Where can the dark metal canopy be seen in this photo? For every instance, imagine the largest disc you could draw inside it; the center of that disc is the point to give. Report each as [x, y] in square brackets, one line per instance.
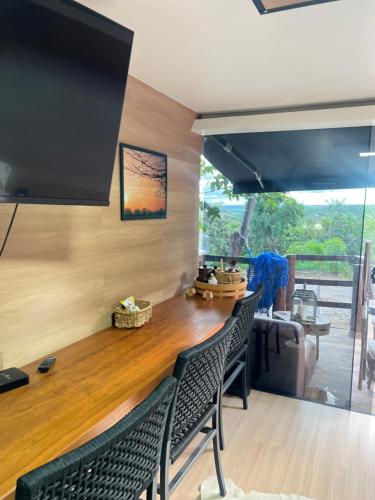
[295, 160]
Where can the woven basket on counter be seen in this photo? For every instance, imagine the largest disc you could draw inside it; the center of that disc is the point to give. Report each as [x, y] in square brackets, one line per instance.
[127, 319]
[227, 277]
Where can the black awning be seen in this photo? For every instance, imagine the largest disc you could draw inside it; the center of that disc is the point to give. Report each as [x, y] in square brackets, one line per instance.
[296, 160]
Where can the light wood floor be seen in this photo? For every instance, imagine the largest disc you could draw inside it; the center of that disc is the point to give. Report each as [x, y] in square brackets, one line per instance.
[281, 445]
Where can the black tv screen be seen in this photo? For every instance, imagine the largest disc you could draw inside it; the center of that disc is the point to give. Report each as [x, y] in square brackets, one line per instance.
[63, 72]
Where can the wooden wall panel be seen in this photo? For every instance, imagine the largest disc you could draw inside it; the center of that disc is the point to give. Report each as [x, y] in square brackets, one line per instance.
[65, 268]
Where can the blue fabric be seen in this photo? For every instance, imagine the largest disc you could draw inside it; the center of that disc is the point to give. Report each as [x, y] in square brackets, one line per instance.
[270, 270]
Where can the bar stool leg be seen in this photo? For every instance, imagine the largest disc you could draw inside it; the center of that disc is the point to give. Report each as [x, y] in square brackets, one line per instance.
[151, 490]
[218, 467]
[164, 472]
[244, 384]
[220, 419]
[219, 470]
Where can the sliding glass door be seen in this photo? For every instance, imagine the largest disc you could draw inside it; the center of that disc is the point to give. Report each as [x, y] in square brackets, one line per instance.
[328, 237]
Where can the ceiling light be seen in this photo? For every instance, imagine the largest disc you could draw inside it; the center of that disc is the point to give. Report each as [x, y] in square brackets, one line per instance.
[366, 155]
[269, 6]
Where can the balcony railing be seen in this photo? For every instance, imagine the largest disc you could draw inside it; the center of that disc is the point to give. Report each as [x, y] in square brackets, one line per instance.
[284, 301]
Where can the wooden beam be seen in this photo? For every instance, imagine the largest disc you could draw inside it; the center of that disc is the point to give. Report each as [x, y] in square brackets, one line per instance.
[329, 258]
[322, 282]
[280, 300]
[337, 305]
[217, 258]
[291, 280]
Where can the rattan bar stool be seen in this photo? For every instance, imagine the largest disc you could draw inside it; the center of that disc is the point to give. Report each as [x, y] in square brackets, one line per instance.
[199, 372]
[237, 358]
[120, 463]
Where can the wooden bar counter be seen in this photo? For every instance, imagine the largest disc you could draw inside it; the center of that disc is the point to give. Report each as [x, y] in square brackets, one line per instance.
[95, 382]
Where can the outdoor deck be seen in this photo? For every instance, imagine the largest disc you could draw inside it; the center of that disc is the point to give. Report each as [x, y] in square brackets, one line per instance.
[333, 370]
[336, 374]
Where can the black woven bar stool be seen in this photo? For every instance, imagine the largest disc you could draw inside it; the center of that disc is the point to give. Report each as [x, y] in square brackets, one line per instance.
[199, 372]
[120, 463]
[237, 358]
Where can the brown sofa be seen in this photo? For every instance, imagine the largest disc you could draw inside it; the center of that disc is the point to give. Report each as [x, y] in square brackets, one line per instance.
[283, 359]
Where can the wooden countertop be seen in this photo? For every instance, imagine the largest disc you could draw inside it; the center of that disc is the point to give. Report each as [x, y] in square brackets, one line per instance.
[96, 381]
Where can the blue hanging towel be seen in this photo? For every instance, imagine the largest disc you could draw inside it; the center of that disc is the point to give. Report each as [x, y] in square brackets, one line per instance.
[270, 270]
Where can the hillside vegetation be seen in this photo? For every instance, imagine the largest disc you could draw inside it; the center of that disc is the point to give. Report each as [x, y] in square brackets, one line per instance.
[282, 224]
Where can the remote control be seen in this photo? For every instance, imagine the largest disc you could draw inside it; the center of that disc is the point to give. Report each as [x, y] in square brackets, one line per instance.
[46, 364]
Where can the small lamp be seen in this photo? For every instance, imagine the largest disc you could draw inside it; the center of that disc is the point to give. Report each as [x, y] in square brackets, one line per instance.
[304, 303]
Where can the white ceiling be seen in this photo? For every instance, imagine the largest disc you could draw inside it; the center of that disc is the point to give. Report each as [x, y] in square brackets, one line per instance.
[221, 55]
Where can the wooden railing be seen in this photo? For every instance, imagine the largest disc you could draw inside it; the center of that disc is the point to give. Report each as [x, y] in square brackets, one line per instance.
[353, 260]
[284, 299]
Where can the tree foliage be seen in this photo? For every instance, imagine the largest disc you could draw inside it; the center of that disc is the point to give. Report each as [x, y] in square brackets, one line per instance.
[281, 224]
[150, 166]
[333, 246]
[343, 224]
[217, 181]
[276, 216]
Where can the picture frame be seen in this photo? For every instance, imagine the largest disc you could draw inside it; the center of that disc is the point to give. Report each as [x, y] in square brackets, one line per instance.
[143, 183]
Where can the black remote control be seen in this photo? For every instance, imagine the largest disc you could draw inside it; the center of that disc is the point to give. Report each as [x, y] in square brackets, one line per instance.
[46, 364]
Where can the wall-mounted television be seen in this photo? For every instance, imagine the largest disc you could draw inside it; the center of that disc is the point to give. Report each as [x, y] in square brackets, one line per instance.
[63, 72]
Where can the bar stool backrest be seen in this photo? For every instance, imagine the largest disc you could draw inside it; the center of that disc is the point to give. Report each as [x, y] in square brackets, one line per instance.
[244, 311]
[118, 464]
[199, 372]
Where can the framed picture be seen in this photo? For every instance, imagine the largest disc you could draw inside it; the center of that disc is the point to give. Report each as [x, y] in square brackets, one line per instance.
[143, 183]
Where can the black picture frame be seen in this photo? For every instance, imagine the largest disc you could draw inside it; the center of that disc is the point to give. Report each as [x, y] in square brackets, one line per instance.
[262, 9]
[158, 177]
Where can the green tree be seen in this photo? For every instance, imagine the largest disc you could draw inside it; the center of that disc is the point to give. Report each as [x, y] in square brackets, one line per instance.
[344, 224]
[276, 217]
[278, 222]
[369, 227]
[219, 233]
[267, 220]
[219, 183]
[333, 246]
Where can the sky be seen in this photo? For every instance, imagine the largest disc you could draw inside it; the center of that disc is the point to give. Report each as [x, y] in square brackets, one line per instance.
[350, 196]
[140, 191]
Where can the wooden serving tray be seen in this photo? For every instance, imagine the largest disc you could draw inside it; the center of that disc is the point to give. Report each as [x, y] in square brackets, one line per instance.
[222, 290]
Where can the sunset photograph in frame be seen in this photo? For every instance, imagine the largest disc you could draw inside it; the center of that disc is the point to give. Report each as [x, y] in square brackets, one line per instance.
[143, 183]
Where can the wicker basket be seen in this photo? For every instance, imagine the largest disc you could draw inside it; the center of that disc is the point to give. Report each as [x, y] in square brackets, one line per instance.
[224, 277]
[222, 289]
[126, 319]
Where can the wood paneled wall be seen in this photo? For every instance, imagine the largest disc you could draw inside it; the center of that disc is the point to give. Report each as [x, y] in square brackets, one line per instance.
[65, 268]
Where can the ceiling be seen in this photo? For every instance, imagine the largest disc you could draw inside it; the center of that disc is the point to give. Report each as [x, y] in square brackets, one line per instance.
[222, 55]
